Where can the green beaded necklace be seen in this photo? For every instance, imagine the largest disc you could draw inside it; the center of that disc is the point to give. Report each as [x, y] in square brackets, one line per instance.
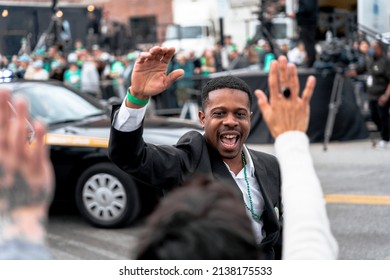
[255, 216]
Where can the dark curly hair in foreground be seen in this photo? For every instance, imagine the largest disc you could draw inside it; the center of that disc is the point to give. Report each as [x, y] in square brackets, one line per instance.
[225, 82]
[202, 220]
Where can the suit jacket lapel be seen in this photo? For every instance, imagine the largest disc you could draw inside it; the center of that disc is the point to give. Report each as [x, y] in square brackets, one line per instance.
[270, 220]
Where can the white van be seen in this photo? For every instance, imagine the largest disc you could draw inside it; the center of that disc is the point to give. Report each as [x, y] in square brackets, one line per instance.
[190, 37]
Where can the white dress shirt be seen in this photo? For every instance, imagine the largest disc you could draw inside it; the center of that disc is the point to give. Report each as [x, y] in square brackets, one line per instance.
[128, 119]
[257, 198]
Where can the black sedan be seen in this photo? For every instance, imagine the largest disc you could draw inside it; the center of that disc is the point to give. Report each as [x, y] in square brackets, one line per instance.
[77, 133]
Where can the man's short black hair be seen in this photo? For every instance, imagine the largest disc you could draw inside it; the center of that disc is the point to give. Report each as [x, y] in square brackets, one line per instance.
[204, 219]
[225, 82]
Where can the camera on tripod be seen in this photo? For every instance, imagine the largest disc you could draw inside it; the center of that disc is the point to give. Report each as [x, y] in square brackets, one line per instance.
[58, 32]
[336, 56]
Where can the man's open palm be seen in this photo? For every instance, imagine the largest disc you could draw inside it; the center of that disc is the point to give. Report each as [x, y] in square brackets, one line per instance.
[150, 76]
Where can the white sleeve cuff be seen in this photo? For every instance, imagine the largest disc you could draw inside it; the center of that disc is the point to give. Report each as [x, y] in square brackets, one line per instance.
[291, 139]
[128, 119]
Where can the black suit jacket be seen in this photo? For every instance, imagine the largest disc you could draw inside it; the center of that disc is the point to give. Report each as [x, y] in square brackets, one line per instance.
[167, 167]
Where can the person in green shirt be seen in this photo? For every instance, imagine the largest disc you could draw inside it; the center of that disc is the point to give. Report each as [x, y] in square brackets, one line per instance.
[72, 76]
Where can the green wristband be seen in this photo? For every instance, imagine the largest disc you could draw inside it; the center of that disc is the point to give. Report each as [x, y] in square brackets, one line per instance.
[135, 100]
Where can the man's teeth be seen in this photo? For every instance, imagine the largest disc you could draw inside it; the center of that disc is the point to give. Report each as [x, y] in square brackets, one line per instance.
[229, 136]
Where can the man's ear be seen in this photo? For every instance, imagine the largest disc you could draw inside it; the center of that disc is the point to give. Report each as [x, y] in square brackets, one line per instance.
[201, 117]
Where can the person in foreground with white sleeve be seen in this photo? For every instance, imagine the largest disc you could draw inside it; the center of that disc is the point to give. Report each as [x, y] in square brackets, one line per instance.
[307, 233]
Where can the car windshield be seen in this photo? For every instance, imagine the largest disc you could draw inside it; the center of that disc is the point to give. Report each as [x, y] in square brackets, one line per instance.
[54, 104]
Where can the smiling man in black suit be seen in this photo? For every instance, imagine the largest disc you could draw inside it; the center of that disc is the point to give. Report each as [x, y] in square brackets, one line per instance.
[220, 152]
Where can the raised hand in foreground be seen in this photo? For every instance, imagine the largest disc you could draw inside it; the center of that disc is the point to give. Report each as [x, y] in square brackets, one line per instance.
[26, 184]
[285, 113]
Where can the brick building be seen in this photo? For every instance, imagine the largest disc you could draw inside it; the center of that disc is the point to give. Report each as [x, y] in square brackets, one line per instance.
[142, 22]
[147, 18]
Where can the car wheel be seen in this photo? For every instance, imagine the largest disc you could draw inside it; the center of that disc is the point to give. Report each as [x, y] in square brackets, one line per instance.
[106, 196]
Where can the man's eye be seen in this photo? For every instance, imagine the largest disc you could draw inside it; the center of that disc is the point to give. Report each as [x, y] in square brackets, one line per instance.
[241, 115]
[218, 114]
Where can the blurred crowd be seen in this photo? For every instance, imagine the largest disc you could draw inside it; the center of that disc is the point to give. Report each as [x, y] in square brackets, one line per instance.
[104, 74]
[83, 69]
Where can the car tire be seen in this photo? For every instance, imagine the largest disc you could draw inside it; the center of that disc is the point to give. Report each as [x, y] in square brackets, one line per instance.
[106, 196]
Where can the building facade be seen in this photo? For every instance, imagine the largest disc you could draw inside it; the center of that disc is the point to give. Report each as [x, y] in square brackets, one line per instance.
[133, 23]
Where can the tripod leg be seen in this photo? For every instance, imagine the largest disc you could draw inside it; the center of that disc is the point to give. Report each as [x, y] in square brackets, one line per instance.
[334, 104]
[194, 111]
[184, 111]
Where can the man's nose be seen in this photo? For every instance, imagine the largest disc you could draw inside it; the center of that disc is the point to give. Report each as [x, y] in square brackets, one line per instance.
[230, 120]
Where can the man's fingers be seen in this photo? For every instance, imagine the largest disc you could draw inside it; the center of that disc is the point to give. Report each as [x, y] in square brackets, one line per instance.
[309, 89]
[168, 55]
[20, 137]
[4, 117]
[293, 81]
[283, 74]
[157, 53]
[262, 101]
[39, 154]
[174, 76]
[144, 56]
[161, 54]
[3, 107]
[273, 81]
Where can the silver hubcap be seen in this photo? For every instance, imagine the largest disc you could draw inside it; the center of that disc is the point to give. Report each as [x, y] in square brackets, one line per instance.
[104, 197]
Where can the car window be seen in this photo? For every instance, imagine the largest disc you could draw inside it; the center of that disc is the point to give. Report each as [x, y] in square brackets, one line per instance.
[54, 104]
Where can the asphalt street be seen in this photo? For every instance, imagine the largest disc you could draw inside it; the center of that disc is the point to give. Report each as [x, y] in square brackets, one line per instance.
[356, 183]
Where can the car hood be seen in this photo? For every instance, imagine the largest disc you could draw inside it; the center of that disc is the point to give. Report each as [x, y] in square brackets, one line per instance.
[92, 132]
[95, 127]
[95, 132]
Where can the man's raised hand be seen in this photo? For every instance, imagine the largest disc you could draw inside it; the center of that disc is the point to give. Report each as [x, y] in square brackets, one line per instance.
[150, 76]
